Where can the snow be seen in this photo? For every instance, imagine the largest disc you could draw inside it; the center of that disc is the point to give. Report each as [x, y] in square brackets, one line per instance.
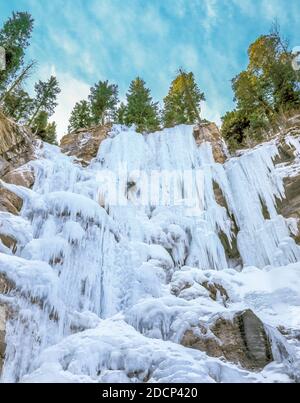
[114, 346]
[107, 280]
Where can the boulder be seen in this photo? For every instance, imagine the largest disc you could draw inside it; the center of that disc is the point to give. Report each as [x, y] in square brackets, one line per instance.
[9, 242]
[84, 143]
[23, 176]
[10, 202]
[242, 340]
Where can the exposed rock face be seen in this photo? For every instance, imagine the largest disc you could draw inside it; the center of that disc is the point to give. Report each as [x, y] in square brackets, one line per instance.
[210, 132]
[16, 149]
[84, 143]
[290, 207]
[16, 145]
[243, 340]
[10, 202]
[23, 176]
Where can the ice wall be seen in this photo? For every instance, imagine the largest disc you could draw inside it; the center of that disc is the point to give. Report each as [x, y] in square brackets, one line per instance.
[95, 242]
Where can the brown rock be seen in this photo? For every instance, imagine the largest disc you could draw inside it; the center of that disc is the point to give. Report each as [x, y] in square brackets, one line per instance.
[290, 206]
[23, 176]
[243, 341]
[214, 289]
[84, 143]
[4, 167]
[16, 144]
[9, 242]
[10, 202]
[210, 132]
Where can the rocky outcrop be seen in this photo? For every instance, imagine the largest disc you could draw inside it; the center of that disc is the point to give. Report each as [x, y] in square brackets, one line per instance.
[16, 149]
[290, 206]
[16, 145]
[242, 340]
[84, 143]
[210, 132]
[9, 201]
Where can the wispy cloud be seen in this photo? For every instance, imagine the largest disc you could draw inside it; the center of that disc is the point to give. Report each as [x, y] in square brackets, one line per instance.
[89, 40]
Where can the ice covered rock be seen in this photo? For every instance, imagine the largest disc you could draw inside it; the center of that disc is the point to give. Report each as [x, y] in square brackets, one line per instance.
[116, 348]
[84, 143]
[210, 132]
[242, 339]
[2, 335]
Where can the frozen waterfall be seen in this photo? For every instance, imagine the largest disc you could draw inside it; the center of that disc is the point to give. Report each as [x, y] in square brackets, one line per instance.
[101, 248]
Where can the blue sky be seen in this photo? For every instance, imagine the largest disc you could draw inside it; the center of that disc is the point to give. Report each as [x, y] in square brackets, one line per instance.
[83, 41]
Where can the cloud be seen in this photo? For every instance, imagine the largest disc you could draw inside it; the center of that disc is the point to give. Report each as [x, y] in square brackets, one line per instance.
[88, 41]
[72, 91]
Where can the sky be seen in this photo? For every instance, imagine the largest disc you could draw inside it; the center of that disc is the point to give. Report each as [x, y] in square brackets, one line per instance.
[84, 41]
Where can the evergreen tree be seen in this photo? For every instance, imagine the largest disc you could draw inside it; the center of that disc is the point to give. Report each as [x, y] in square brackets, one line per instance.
[141, 110]
[46, 95]
[18, 105]
[182, 104]
[14, 38]
[268, 87]
[80, 116]
[120, 114]
[103, 99]
[43, 129]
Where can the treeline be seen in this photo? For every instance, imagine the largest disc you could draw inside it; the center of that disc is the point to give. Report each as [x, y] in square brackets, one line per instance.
[15, 101]
[267, 90]
[181, 105]
[265, 93]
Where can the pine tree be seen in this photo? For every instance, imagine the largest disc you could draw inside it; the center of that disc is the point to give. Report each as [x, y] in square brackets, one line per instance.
[80, 116]
[43, 129]
[120, 114]
[18, 105]
[46, 95]
[103, 99]
[266, 89]
[182, 104]
[14, 38]
[141, 110]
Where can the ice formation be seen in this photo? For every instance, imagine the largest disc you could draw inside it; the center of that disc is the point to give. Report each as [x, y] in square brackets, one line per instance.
[104, 256]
